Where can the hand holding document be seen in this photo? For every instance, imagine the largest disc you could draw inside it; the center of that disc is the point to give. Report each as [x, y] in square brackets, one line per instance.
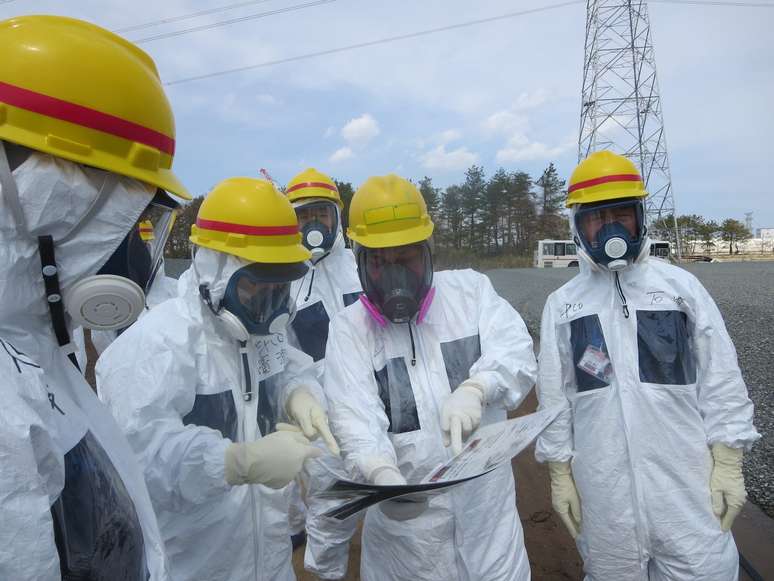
[487, 448]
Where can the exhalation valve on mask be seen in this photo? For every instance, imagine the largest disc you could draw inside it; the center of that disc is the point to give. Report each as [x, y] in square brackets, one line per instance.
[400, 305]
[317, 238]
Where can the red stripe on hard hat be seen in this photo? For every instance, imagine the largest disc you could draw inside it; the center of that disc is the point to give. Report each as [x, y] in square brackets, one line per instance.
[249, 230]
[85, 117]
[312, 185]
[604, 180]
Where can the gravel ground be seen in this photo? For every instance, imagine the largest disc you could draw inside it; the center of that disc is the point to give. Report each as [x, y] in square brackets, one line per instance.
[744, 292]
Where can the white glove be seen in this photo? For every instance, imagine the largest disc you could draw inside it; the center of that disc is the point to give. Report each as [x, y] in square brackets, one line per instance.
[564, 496]
[304, 409]
[405, 507]
[461, 413]
[727, 484]
[274, 460]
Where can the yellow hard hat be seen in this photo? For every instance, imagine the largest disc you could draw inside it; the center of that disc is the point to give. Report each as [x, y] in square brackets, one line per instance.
[388, 211]
[311, 183]
[249, 218]
[604, 175]
[77, 91]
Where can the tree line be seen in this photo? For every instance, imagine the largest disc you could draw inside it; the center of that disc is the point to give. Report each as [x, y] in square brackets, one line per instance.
[699, 235]
[505, 214]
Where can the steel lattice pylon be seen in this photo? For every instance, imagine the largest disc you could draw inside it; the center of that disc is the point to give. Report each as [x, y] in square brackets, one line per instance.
[621, 106]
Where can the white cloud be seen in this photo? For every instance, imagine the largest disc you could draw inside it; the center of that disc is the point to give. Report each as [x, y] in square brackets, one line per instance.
[514, 124]
[505, 121]
[341, 154]
[329, 132]
[520, 148]
[440, 159]
[360, 130]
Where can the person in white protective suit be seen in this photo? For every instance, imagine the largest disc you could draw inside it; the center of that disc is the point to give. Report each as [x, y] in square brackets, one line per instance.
[84, 157]
[201, 384]
[646, 460]
[411, 369]
[330, 285]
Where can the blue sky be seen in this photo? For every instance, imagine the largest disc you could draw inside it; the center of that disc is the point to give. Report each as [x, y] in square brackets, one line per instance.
[505, 93]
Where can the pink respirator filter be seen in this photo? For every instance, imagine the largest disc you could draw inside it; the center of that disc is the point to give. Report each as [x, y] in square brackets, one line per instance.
[382, 322]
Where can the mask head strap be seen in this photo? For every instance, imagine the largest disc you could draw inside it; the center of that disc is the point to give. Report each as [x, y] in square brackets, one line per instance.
[54, 296]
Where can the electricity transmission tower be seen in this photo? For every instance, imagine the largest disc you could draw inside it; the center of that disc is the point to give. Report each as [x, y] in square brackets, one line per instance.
[621, 107]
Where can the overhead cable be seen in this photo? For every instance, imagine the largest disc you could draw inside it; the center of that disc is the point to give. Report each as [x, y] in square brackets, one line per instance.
[231, 21]
[375, 42]
[715, 3]
[189, 16]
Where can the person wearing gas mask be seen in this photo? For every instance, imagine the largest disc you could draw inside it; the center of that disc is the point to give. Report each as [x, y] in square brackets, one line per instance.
[412, 369]
[81, 164]
[160, 286]
[646, 460]
[163, 287]
[202, 383]
[330, 285]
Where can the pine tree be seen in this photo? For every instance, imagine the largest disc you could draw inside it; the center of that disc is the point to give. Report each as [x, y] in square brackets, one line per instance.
[551, 196]
[472, 195]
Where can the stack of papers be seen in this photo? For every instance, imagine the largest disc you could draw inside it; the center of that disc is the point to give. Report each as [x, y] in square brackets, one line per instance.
[487, 449]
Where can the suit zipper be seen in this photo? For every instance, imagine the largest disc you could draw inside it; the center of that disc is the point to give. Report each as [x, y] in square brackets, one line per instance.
[243, 359]
[621, 295]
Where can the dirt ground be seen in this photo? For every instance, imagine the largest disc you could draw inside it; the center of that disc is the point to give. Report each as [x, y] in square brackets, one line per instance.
[551, 550]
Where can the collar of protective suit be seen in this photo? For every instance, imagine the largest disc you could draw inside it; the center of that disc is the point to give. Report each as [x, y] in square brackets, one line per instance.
[337, 270]
[55, 196]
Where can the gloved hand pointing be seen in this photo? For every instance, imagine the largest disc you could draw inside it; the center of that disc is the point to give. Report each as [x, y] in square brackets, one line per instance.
[461, 413]
[564, 496]
[274, 460]
[727, 484]
[304, 409]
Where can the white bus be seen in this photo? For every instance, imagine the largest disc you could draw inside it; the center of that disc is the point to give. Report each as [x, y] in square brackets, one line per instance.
[556, 254]
[661, 249]
[563, 253]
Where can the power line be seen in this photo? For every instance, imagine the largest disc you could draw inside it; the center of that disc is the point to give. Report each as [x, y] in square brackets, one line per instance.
[715, 3]
[182, 17]
[375, 42]
[231, 21]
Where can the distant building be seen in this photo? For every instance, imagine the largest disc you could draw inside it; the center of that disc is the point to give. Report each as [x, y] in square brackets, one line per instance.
[766, 233]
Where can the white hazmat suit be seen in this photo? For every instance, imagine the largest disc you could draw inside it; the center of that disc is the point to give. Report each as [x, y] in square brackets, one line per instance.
[73, 503]
[175, 382]
[385, 408]
[642, 361]
[330, 285]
